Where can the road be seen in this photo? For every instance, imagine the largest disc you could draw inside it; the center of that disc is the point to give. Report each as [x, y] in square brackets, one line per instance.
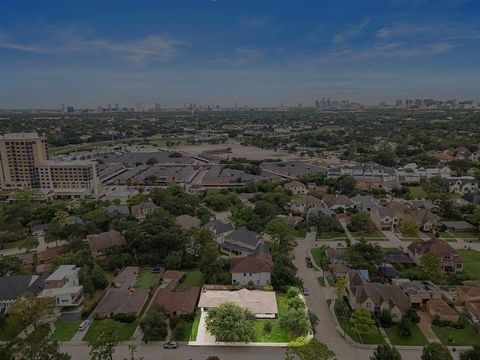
[326, 328]
[155, 352]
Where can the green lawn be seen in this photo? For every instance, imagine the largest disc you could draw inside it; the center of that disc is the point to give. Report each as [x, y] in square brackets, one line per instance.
[342, 312]
[9, 330]
[12, 244]
[331, 235]
[417, 192]
[182, 331]
[146, 279]
[442, 234]
[467, 234]
[125, 332]
[461, 337]
[196, 322]
[278, 334]
[64, 330]
[416, 339]
[192, 278]
[318, 255]
[471, 259]
[369, 235]
[91, 300]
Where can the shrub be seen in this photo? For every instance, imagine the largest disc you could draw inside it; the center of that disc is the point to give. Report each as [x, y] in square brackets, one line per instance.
[188, 317]
[174, 321]
[385, 319]
[127, 318]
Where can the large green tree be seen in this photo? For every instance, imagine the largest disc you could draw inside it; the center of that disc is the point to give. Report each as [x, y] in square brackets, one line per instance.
[231, 323]
[103, 345]
[280, 233]
[154, 326]
[432, 267]
[362, 321]
[436, 351]
[385, 352]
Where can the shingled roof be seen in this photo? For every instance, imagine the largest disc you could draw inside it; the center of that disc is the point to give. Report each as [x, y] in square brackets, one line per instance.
[106, 240]
[254, 263]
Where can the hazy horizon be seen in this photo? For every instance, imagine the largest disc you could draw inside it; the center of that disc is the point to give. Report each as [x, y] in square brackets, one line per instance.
[223, 51]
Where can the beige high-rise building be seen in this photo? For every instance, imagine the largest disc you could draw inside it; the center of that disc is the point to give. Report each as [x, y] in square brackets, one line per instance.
[20, 155]
[24, 164]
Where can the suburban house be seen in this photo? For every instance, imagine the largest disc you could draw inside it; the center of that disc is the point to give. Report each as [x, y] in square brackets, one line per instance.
[459, 226]
[335, 255]
[296, 187]
[141, 211]
[43, 261]
[339, 202]
[11, 287]
[468, 295]
[303, 203]
[255, 269]
[242, 242]
[98, 243]
[63, 285]
[263, 304]
[376, 297]
[364, 202]
[187, 222]
[176, 302]
[449, 258]
[463, 185]
[123, 297]
[425, 220]
[386, 218]
[438, 308]
[418, 292]
[220, 228]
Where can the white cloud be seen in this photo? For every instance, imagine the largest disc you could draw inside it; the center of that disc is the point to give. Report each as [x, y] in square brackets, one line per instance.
[351, 32]
[255, 21]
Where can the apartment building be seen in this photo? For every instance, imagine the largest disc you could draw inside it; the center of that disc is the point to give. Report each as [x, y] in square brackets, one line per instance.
[24, 164]
[20, 155]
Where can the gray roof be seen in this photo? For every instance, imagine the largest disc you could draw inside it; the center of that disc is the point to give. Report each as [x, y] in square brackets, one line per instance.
[245, 236]
[219, 226]
[13, 286]
[118, 209]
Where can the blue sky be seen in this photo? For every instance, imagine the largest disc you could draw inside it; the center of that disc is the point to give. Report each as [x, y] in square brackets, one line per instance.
[255, 52]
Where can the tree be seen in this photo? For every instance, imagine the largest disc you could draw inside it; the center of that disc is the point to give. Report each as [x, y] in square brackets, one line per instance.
[405, 327]
[30, 242]
[313, 321]
[472, 354]
[280, 233]
[362, 321]
[436, 351]
[340, 286]
[385, 352]
[231, 323]
[432, 267]
[132, 348]
[284, 273]
[36, 346]
[152, 161]
[267, 328]
[296, 322]
[305, 349]
[103, 345]
[385, 318]
[9, 265]
[30, 310]
[363, 255]
[361, 222]
[154, 326]
[174, 260]
[98, 278]
[407, 225]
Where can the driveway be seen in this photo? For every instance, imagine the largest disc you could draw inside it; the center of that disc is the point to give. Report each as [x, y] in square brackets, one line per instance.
[203, 336]
[425, 326]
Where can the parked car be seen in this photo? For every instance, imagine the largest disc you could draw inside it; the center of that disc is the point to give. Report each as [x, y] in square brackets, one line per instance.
[305, 291]
[309, 264]
[170, 345]
[83, 325]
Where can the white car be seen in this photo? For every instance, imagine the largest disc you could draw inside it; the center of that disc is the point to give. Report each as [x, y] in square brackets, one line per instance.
[83, 325]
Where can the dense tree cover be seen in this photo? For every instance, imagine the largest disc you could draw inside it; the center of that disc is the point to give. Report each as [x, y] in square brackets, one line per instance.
[364, 255]
[322, 223]
[154, 326]
[385, 352]
[362, 321]
[361, 222]
[296, 320]
[472, 354]
[231, 323]
[103, 346]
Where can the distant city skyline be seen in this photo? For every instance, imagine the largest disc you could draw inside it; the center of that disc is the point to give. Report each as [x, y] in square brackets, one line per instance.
[225, 52]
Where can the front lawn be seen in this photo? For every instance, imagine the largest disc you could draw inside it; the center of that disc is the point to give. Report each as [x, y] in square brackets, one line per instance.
[375, 234]
[417, 192]
[146, 279]
[278, 334]
[13, 244]
[460, 337]
[343, 313]
[9, 330]
[471, 259]
[187, 330]
[192, 278]
[333, 235]
[125, 331]
[196, 322]
[416, 339]
[318, 255]
[474, 235]
[64, 330]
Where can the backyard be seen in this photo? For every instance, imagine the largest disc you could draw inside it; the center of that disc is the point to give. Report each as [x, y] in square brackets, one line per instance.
[278, 334]
[8, 330]
[192, 278]
[471, 259]
[64, 330]
[417, 192]
[146, 279]
[416, 339]
[459, 337]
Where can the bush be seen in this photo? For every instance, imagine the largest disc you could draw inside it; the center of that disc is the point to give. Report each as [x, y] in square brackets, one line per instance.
[385, 319]
[268, 327]
[127, 318]
[174, 321]
[413, 316]
[405, 327]
[446, 323]
[188, 317]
